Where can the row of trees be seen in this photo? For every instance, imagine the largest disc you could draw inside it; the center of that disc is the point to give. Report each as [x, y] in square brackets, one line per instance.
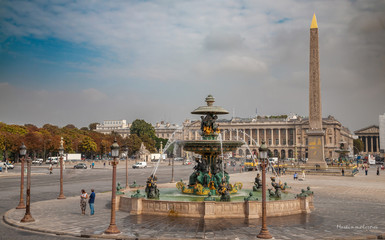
[45, 141]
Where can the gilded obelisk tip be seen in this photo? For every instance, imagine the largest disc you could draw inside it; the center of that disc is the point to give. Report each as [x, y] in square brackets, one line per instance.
[314, 22]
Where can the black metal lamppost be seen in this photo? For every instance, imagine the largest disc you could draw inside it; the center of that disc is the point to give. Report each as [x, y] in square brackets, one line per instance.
[113, 229]
[264, 233]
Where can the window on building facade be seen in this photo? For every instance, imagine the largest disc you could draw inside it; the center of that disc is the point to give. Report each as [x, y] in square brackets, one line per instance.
[284, 141]
[306, 141]
[277, 141]
[269, 141]
[330, 140]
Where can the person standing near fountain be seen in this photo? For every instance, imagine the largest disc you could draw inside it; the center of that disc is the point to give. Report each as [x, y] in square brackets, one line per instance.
[91, 201]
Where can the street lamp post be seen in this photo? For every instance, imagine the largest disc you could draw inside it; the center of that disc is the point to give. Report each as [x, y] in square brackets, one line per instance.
[113, 229]
[264, 233]
[125, 153]
[23, 151]
[61, 152]
[28, 217]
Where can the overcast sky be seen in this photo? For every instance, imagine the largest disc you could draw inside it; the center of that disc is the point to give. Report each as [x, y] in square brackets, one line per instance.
[79, 62]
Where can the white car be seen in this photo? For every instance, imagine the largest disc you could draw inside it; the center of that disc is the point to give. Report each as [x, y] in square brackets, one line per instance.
[139, 165]
[37, 161]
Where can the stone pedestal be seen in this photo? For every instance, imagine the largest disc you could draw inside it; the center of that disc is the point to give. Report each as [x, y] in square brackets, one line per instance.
[316, 149]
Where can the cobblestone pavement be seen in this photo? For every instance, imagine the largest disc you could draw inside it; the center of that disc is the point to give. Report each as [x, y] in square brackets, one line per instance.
[345, 207]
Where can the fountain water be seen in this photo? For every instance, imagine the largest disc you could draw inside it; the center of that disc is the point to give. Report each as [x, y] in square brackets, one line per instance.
[209, 174]
[207, 178]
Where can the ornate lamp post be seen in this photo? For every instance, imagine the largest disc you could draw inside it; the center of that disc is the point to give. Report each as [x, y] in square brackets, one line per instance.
[23, 151]
[125, 153]
[61, 152]
[28, 217]
[113, 229]
[264, 233]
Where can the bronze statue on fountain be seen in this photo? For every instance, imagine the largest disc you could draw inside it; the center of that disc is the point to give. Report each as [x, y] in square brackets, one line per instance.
[152, 191]
[208, 171]
[257, 183]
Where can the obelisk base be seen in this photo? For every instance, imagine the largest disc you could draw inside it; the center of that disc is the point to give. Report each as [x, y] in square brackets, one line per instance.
[316, 158]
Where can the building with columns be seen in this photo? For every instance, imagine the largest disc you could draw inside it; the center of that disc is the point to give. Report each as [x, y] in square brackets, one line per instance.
[119, 126]
[285, 137]
[370, 136]
[166, 130]
[381, 120]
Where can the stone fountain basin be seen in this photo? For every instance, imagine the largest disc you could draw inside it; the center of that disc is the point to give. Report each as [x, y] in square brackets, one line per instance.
[211, 146]
[215, 210]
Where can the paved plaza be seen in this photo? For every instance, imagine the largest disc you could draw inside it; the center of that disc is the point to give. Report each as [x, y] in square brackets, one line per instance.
[345, 208]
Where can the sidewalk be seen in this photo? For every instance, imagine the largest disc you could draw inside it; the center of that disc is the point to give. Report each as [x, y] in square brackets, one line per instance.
[63, 217]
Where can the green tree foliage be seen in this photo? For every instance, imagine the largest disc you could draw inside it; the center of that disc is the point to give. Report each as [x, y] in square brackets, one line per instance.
[92, 126]
[88, 146]
[141, 128]
[133, 142]
[358, 146]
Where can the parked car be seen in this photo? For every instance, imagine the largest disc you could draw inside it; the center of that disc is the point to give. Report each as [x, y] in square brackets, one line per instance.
[37, 161]
[10, 166]
[139, 165]
[80, 165]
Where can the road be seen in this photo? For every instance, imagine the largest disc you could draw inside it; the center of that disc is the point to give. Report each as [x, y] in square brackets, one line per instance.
[46, 187]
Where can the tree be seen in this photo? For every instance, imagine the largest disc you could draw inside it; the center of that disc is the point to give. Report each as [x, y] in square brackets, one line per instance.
[133, 142]
[92, 126]
[358, 146]
[84, 128]
[142, 128]
[70, 126]
[88, 146]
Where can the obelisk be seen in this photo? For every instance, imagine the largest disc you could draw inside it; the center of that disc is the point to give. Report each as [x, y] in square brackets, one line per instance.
[315, 132]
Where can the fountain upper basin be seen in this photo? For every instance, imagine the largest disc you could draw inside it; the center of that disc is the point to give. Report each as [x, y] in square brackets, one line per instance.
[211, 146]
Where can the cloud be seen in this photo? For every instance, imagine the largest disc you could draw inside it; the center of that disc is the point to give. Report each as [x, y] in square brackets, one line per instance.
[173, 53]
[222, 41]
[93, 95]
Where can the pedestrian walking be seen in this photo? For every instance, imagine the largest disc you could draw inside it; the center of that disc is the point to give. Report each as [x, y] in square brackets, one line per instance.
[50, 168]
[93, 164]
[303, 174]
[91, 201]
[104, 164]
[343, 172]
[83, 201]
[366, 171]
[295, 176]
[378, 171]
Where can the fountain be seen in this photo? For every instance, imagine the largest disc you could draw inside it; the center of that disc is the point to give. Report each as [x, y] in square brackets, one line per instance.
[209, 193]
[209, 175]
[342, 152]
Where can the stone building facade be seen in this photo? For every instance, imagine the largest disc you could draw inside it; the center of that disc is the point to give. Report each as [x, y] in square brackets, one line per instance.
[121, 127]
[166, 130]
[285, 138]
[370, 136]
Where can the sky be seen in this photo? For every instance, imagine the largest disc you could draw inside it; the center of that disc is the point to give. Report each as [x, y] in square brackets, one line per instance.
[78, 62]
